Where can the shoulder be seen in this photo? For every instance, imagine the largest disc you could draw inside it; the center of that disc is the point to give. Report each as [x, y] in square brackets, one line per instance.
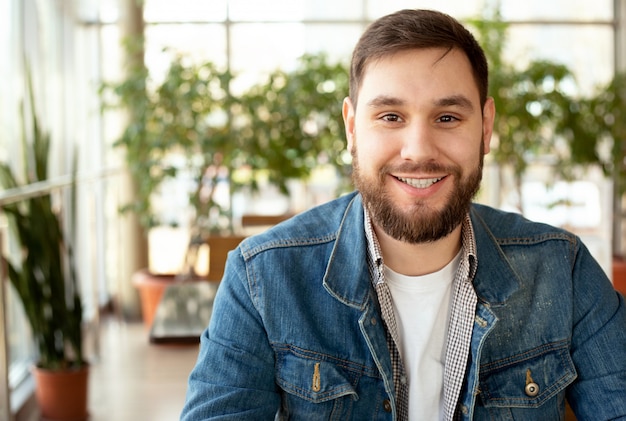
[318, 225]
[508, 226]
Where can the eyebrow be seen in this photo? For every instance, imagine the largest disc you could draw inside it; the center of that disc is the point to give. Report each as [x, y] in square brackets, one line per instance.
[384, 100]
[454, 100]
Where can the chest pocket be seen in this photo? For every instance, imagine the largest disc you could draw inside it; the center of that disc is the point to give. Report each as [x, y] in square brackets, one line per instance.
[315, 387]
[529, 379]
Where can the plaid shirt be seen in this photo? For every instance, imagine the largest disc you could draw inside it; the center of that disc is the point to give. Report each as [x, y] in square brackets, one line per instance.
[462, 314]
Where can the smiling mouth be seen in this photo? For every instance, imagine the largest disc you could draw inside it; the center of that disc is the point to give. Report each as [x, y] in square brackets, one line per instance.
[420, 183]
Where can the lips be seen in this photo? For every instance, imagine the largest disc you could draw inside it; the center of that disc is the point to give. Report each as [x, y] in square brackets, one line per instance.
[420, 183]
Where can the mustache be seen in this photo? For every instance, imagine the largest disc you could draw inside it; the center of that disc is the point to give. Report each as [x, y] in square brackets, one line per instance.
[423, 168]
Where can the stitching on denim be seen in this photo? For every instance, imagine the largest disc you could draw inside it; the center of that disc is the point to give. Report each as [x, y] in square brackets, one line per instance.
[555, 347]
[306, 394]
[542, 397]
[248, 253]
[537, 239]
[524, 356]
[341, 390]
[319, 356]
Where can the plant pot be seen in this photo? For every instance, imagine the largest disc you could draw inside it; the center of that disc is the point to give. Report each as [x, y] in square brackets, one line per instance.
[62, 394]
[151, 288]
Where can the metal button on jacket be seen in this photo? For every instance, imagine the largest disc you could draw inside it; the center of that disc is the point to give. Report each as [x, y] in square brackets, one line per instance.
[532, 389]
[387, 405]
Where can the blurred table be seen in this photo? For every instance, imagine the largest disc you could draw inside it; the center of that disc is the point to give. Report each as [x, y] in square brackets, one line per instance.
[183, 313]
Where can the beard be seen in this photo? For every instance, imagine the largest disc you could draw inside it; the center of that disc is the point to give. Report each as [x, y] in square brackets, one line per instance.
[420, 223]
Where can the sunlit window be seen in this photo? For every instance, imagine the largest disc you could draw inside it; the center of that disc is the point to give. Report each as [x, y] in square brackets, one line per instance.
[75, 45]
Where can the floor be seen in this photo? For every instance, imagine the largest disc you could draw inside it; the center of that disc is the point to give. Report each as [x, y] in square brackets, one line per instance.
[135, 380]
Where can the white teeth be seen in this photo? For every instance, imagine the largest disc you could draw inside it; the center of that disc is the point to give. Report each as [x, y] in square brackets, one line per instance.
[420, 183]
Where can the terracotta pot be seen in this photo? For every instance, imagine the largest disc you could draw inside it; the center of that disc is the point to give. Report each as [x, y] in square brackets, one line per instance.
[151, 288]
[62, 394]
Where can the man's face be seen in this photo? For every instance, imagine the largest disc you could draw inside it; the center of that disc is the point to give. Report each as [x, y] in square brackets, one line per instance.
[417, 136]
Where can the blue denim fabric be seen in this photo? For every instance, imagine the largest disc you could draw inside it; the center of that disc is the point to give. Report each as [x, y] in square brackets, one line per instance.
[296, 331]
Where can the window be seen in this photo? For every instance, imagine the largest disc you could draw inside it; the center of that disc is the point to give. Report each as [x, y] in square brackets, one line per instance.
[73, 46]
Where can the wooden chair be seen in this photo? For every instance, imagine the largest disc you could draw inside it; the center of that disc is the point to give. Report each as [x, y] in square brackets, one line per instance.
[219, 246]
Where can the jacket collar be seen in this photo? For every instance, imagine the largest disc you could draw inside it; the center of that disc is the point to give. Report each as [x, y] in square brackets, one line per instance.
[495, 280]
[347, 276]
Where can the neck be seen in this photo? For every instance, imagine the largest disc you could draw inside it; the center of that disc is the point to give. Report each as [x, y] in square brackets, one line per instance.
[418, 259]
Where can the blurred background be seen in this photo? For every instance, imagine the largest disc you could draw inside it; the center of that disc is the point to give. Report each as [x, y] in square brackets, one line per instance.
[175, 122]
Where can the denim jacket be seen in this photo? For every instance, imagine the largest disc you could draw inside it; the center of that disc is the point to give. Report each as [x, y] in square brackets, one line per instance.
[296, 331]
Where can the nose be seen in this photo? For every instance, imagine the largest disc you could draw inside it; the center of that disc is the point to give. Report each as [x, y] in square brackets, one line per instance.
[419, 143]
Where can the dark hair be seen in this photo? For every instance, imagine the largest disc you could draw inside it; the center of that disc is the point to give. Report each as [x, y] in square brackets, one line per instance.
[416, 29]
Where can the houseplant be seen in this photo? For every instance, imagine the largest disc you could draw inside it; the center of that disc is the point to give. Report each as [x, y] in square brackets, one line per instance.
[538, 119]
[601, 141]
[532, 107]
[190, 126]
[44, 278]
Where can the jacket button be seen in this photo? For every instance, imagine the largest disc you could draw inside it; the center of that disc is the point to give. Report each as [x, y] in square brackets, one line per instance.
[387, 405]
[532, 389]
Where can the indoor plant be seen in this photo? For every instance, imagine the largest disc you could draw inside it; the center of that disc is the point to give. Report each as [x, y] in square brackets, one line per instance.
[532, 108]
[45, 280]
[189, 126]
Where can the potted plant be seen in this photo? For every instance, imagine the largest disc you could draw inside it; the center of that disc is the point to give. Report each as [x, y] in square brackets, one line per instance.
[532, 107]
[45, 280]
[189, 126]
[537, 118]
[600, 123]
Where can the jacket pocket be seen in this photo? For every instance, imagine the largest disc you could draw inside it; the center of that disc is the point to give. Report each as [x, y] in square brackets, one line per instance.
[315, 386]
[528, 379]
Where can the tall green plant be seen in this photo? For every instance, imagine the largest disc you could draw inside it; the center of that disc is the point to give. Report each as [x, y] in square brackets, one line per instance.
[600, 138]
[44, 278]
[532, 103]
[282, 128]
[293, 121]
[184, 115]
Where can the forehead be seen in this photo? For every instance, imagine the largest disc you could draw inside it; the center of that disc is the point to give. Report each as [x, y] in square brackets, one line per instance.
[418, 74]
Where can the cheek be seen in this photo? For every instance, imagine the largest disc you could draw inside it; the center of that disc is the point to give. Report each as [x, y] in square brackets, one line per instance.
[369, 154]
[374, 146]
[469, 157]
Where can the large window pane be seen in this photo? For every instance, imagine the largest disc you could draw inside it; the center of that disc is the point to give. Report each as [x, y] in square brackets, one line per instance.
[261, 48]
[266, 10]
[457, 8]
[557, 10]
[336, 40]
[587, 50]
[185, 10]
[334, 10]
[204, 42]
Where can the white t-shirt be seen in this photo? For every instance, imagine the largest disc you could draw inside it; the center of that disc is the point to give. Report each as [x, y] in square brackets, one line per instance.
[421, 307]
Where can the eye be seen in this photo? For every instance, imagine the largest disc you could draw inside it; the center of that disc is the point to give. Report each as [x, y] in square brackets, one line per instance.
[447, 119]
[391, 117]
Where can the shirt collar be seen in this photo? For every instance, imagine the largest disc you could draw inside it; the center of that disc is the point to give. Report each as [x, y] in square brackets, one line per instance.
[375, 256]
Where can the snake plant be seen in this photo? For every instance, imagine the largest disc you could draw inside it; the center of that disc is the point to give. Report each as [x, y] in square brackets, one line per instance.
[43, 275]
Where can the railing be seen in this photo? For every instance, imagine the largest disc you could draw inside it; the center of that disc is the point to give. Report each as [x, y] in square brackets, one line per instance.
[14, 196]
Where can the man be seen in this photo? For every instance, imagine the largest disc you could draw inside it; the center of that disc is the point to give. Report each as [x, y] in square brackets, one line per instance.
[404, 300]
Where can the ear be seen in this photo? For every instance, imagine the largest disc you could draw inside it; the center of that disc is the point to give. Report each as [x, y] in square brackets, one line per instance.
[489, 115]
[348, 121]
